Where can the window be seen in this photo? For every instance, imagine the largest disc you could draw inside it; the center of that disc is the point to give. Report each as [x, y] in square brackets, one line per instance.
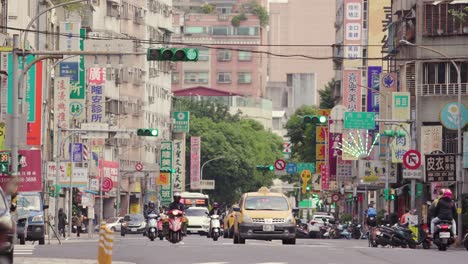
[203, 54]
[224, 77]
[247, 31]
[245, 77]
[365, 12]
[438, 20]
[266, 203]
[245, 55]
[195, 77]
[196, 212]
[175, 77]
[224, 10]
[224, 55]
[194, 30]
[289, 79]
[220, 31]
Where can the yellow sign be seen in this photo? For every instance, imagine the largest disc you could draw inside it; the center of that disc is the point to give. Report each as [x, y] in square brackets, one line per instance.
[163, 178]
[134, 208]
[5, 49]
[319, 153]
[321, 134]
[2, 135]
[305, 176]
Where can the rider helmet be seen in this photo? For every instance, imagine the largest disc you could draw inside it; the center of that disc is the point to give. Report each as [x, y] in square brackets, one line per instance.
[447, 194]
[215, 205]
[177, 197]
[151, 205]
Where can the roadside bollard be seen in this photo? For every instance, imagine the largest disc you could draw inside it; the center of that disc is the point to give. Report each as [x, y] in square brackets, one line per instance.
[106, 241]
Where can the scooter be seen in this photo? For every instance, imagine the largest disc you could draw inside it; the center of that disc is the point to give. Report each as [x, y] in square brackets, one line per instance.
[465, 241]
[215, 227]
[152, 232]
[443, 236]
[160, 226]
[175, 226]
[403, 236]
[422, 238]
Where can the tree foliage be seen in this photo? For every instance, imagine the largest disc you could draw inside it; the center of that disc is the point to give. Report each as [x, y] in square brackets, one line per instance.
[80, 8]
[327, 99]
[302, 135]
[244, 143]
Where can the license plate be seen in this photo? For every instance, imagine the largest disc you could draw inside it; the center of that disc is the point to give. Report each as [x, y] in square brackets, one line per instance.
[133, 229]
[444, 235]
[268, 228]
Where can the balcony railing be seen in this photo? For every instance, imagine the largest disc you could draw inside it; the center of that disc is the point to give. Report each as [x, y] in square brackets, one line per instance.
[441, 89]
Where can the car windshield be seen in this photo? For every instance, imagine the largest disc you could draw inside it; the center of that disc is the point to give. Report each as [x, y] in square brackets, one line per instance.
[28, 203]
[266, 203]
[112, 220]
[322, 218]
[134, 218]
[195, 212]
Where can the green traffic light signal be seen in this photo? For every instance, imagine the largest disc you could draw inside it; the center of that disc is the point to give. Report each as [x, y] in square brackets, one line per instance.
[4, 167]
[386, 194]
[167, 170]
[271, 167]
[147, 132]
[394, 133]
[172, 54]
[308, 188]
[314, 119]
[265, 167]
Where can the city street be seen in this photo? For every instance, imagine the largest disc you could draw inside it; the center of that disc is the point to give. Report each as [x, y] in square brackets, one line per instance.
[198, 249]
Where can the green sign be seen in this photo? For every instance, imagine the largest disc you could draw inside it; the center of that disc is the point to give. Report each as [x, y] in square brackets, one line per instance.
[359, 120]
[401, 101]
[165, 191]
[181, 121]
[77, 90]
[29, 86]
[306, 166]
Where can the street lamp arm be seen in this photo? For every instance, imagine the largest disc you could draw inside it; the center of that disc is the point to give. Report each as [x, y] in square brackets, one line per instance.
[31, 22]
[217, 158]
[62, 144]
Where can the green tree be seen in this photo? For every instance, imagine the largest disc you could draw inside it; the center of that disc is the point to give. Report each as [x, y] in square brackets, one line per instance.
[302, 135]
[327, 98]
[244, 143]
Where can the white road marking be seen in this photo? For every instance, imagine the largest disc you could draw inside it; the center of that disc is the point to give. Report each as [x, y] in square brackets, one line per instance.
[212, 263]
[24, 249]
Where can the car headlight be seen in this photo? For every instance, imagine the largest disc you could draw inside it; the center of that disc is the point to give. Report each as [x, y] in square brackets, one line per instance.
[38, 218]
[289, 220]
[246, 219]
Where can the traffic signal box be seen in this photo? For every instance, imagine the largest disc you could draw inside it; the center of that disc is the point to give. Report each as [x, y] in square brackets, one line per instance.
[147, 132]
[167, 170]
[314, 119]
[172, 54]
[265, 167]
[394, 133]
[389, 194]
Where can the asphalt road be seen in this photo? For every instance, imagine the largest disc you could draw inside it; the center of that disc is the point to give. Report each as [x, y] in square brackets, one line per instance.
[200, 250]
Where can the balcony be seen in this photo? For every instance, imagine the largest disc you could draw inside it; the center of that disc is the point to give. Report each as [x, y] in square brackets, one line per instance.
[441, 89]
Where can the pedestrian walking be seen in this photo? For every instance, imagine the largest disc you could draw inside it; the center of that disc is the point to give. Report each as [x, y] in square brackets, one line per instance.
[78, 220]
[62, 222]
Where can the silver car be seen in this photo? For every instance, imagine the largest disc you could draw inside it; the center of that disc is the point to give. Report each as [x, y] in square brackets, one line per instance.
[318, 221]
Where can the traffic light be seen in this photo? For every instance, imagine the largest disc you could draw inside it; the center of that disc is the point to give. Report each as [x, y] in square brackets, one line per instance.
[4, 168]
[5, 162]
[392, 194]
[314, 119]
[54, 190]
[172, 54]
[265, 167]
[386, 194]
[147, 132]
[167, 170]
[394, 133]
[308, 188]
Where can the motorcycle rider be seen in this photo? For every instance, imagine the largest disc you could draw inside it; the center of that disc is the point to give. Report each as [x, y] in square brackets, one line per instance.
[214, 209]
[176, 205]
[150, 209]
[371, 220]
[445, 210]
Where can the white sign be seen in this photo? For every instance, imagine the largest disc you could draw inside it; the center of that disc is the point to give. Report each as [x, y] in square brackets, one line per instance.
[412, 174]
[79, 179]
[178, 163]
[94, 185]
[68, 40]
[207, 184]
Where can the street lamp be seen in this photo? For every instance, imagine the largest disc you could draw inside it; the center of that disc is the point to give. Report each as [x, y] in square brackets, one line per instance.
[201, 170]
[460, 177]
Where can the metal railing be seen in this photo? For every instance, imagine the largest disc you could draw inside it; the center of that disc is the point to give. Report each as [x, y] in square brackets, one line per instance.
[441, 89]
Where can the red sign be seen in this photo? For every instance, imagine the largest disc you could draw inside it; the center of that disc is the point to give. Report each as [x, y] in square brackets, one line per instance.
[138, 166]
[280, 164]
[107, 184]
[335, 197]
[412, 159]
[30, 175]
[34, 128]
[109, 169]
[96, 75]
[325, 177]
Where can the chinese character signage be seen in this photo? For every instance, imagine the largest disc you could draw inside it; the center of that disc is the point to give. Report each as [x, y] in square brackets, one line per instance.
[181, 122]
[401, 111]
[79, 179]
[344, 168]
[30, 175]
[76, 152]
[465, 150]
[69, 69]
[4, 64]
[440, 168]
[333, 153]
[353, 32]
[352, 90]
[375, 171]
[325, 177]
[109, 169]
[96, 109]
[431, 139]
[62, 87]
[165, 190]
[179, 165]
[195, 146]
[373, 98]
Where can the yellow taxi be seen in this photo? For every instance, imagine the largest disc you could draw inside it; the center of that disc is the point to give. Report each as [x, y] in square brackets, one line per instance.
[264, 215]
[229, 222]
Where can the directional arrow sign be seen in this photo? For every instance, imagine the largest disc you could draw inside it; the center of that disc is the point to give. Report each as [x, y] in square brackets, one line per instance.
[280, 164]
[412, 159]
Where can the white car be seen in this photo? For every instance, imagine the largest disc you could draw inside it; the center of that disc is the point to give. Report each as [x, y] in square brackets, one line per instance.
[198, 220]
[114, 223]
[317, 221]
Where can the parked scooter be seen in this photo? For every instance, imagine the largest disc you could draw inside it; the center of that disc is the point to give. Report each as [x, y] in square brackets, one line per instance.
[443, 236]
[152, 231]
[175, 226]
[465, 241]
[422, 238]
[403, 236]
[215, 227]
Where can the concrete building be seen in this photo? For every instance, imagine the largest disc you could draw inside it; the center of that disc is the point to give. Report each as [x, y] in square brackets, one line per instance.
[289, 35]
[430, 78]
[237, 68]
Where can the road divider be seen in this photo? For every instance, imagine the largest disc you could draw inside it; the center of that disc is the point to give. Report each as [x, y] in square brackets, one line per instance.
[106, 242]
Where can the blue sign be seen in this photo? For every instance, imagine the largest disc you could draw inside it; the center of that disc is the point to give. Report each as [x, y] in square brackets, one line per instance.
[291, 168]
[77, 152]
[373, 81]
[449, 116]
[69, 69]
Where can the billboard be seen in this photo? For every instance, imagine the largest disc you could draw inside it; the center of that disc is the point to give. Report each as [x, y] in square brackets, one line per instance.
[353, 33]
[30, 174]
[195, 147]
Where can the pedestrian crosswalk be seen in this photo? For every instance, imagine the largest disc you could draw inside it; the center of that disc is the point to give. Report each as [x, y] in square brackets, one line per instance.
[24, 250]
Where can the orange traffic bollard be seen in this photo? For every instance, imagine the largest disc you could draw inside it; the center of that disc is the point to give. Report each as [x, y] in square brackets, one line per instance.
[106, 241]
